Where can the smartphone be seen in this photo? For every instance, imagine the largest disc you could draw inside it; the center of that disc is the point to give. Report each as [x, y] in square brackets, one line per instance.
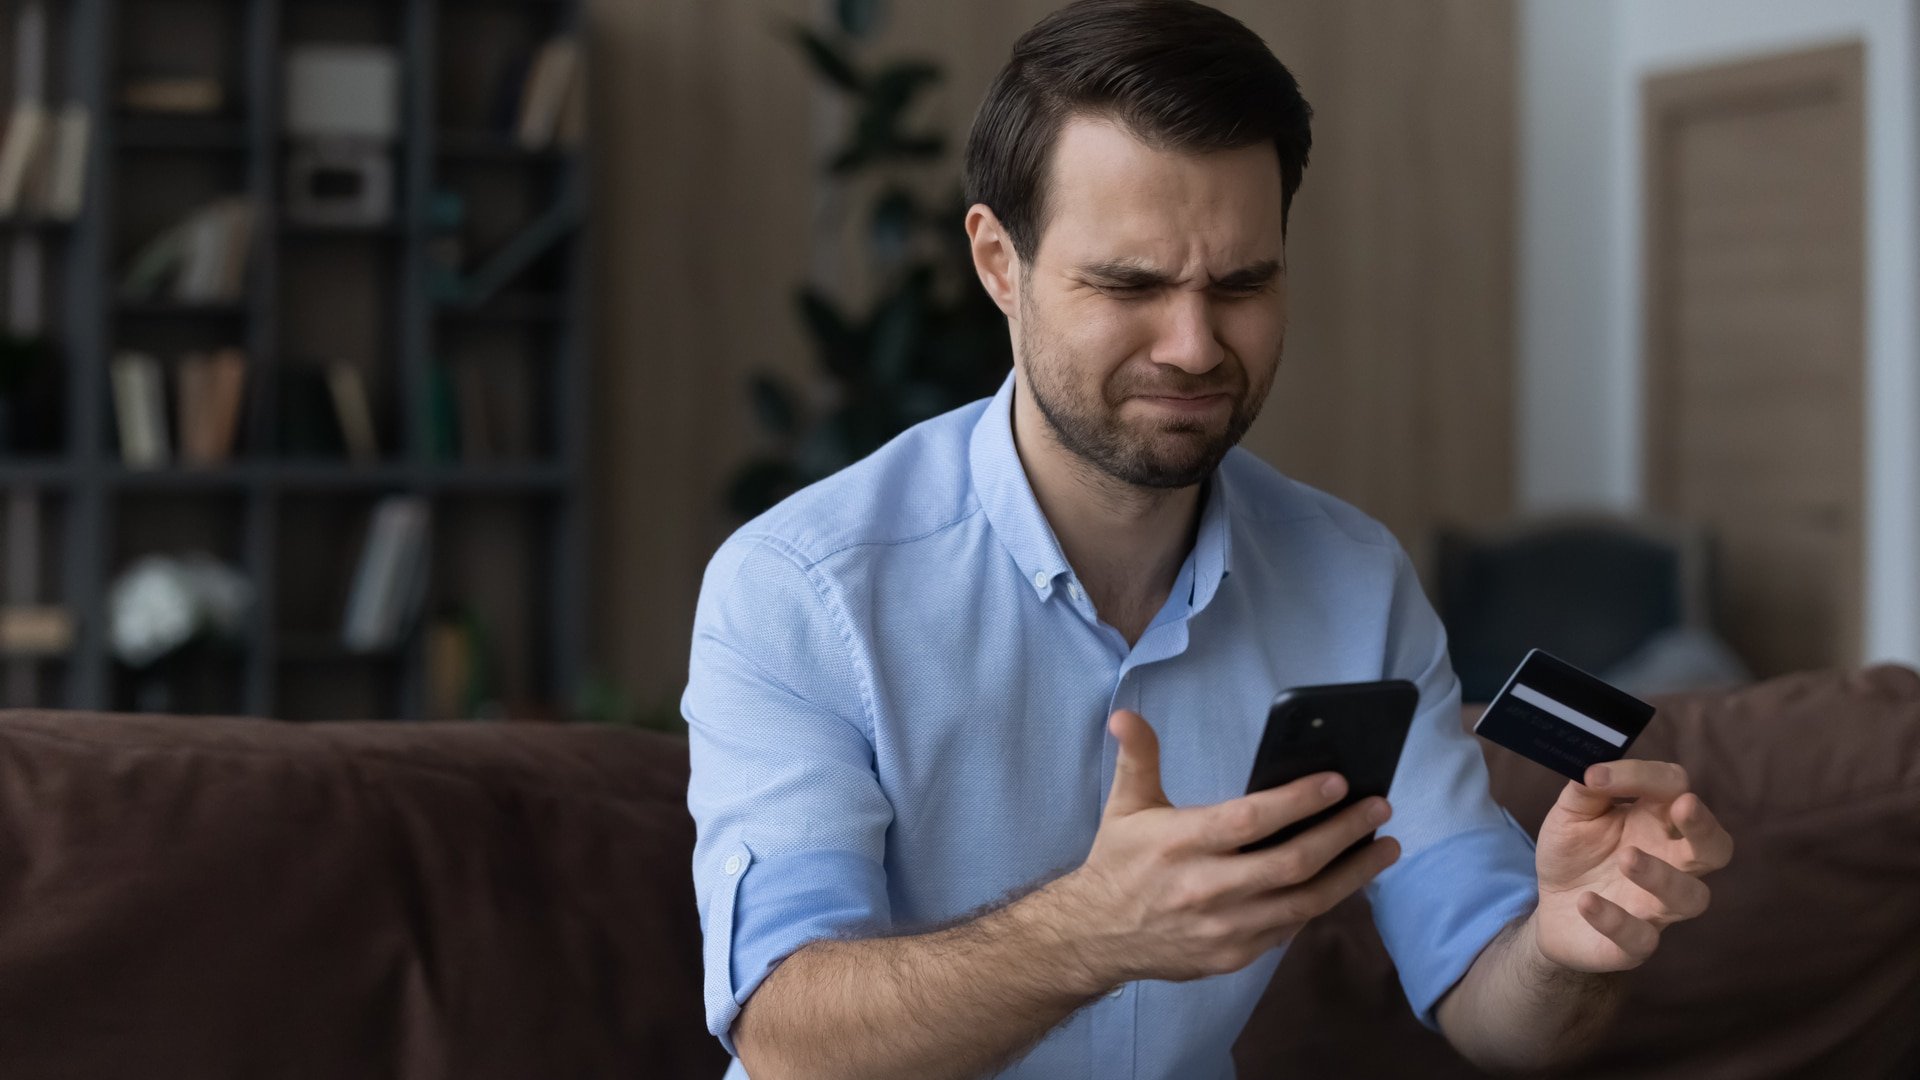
[1354, 729]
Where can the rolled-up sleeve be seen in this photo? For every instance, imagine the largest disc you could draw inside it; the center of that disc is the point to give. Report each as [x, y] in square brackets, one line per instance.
[791, 819]
[1466, 867]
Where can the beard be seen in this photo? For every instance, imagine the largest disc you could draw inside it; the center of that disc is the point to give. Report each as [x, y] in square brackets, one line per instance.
[1156, 452]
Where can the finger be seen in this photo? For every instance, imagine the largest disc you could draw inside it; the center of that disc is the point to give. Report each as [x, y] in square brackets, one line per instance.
[1680, 895]
[1631, 778]
[1613, 780]
[1317, 896]
[1235, 823]
[1712, 845]
[1136, 771]
[1635, 937]
[1301, 858]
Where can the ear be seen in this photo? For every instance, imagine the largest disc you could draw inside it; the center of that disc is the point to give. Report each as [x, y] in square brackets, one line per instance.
[994, 258]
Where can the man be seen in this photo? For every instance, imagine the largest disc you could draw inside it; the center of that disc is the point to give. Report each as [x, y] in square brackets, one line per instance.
[913, 683]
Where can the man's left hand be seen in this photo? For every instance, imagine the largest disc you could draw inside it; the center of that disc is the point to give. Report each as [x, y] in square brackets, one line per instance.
[1614, 874]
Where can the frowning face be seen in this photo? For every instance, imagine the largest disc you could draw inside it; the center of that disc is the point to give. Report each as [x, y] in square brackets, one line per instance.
[1152, 316]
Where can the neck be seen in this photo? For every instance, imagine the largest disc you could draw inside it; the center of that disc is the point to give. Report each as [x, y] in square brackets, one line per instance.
[1125, 543]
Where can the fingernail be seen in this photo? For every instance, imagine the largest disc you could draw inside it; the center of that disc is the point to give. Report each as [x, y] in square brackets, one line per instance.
[1332, 787]
[1601, 776]
[1380, 813]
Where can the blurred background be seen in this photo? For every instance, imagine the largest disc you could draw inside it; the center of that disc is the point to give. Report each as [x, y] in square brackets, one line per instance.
[409, 358]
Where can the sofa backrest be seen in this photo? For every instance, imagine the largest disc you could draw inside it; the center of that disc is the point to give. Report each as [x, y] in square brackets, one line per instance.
[237, 898]
[1807, 963]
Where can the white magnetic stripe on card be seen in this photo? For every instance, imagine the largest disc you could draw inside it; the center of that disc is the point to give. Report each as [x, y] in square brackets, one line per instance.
[1572, 716]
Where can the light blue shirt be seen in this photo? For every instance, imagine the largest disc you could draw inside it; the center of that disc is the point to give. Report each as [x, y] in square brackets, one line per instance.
[897, 710]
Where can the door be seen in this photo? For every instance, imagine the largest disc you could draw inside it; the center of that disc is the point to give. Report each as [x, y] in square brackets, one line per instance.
[1755, 193]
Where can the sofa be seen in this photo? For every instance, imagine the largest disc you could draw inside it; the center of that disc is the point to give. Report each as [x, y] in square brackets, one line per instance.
[215, 898]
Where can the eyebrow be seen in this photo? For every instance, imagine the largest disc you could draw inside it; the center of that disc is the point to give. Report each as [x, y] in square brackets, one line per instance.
[1130, 275]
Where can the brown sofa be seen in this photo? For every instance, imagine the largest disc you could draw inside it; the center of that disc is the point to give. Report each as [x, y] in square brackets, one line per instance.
[236, 898]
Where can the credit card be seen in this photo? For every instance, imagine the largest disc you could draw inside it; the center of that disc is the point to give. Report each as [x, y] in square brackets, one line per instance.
[1562, 717]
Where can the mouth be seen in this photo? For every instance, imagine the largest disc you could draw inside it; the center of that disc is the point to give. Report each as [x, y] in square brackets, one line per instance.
[1186, 403]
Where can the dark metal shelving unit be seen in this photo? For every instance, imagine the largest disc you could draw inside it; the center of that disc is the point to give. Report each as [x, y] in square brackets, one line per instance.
[89, 481]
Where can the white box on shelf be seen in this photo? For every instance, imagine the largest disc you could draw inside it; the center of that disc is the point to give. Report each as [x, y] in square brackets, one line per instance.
[350, 91]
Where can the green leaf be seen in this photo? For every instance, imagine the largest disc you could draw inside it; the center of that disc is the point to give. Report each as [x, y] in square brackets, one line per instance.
[894, 87]
[895, 214]
[840, 348]
[860, 17]
[828, 60]
[774, 406]
[896, 334]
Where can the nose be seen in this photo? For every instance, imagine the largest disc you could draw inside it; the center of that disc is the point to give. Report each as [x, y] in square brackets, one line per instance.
[1186, 339]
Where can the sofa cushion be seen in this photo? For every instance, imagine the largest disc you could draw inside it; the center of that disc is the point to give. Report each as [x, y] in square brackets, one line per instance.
[1808, 961]
[236, 898]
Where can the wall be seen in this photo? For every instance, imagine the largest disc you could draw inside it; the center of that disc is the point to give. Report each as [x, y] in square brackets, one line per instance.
[1396, 389]
[1579, 306]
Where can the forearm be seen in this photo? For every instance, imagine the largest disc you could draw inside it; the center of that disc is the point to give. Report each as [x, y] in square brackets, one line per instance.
[1517, 1010]
[956, 1002]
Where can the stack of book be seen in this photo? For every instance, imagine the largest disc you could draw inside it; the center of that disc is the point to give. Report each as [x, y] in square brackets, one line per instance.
[43, 162]
[209, 391]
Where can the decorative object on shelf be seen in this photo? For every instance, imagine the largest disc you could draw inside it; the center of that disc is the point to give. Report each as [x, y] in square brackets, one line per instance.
[340, 182]
[203, 257]
[161, 603]
[343, 92]
[514, 257]
[931, 341]
[343, 111]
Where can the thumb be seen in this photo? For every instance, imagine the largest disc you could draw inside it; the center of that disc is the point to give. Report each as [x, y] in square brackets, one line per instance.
[1136, 773]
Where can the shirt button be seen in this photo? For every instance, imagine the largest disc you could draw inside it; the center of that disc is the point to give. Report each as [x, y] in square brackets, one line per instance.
[1117, 991]
[733, 865]
[1073, 589]
[1039, 579]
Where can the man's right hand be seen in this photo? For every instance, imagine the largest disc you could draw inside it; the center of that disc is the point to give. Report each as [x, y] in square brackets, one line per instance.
[1166, 892]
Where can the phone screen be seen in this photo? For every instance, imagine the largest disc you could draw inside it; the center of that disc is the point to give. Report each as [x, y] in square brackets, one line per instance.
[1354, 729]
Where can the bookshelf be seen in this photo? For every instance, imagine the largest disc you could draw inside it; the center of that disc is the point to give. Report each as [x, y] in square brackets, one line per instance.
[507, 544]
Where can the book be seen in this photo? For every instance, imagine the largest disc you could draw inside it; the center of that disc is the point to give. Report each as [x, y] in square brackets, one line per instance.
[67, 166]
[187, 95]
[210, 394]
[18, 152]
[227, 398]
[190, 396]
[549, 83]
[139, 400]
[349, 392]
[35, 630]
[391, 576]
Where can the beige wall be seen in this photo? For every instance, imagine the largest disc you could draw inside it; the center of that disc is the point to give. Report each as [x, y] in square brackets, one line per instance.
[1396, 389]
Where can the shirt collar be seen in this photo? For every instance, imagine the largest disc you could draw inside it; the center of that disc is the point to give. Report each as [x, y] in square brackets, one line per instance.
[1006, 497]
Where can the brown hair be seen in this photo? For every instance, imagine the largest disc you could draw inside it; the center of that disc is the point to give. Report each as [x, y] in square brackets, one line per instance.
[1176, 74]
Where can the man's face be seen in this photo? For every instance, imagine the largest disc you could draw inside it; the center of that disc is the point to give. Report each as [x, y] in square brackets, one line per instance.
[1153, 314]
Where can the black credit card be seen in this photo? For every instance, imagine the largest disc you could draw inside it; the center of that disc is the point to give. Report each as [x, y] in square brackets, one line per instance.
[1562, 717]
